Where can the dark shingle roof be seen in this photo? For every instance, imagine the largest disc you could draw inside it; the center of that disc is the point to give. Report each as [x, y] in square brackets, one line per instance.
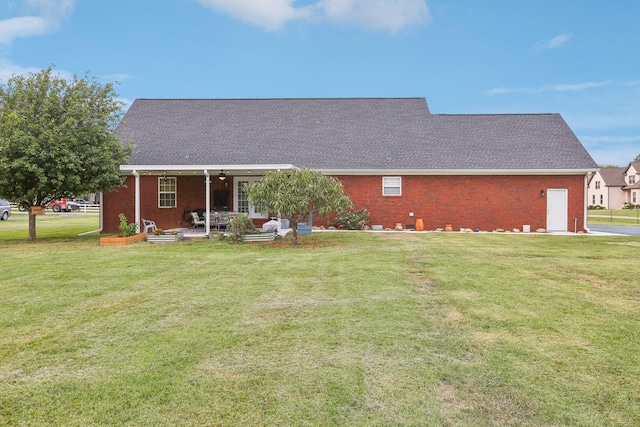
[345, 134]
[613, 177]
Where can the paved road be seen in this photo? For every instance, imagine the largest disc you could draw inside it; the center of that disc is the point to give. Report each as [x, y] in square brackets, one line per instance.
[616, 229]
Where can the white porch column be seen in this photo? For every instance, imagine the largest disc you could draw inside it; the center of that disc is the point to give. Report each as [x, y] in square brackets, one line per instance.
[137, 199]
[207, 218]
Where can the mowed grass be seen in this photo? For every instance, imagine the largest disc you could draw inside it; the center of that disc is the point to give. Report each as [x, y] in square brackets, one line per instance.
[346, 329]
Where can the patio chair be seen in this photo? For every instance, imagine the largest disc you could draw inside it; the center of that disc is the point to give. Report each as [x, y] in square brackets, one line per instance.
[196, 221]
[148, 226]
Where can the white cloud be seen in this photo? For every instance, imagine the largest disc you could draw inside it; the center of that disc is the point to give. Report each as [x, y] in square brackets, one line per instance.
[611, 139]
[50, 13]
[554, 43]
[8, 69]
[548, 88]
[268, 14]
[387, 15]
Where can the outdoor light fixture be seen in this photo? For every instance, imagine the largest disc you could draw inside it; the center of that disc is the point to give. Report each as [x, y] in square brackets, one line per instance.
[541, 193]
[222, 176]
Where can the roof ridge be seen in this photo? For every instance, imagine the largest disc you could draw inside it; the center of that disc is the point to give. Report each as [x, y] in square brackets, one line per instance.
[279, 99]
[495, 114]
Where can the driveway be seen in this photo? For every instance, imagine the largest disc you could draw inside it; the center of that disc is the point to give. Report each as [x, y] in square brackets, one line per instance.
[624, 230]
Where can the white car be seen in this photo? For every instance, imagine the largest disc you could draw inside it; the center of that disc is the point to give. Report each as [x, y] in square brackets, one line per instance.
[5, 210]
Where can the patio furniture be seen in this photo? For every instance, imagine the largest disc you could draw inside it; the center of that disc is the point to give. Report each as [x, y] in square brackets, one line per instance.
[148, 225]
[220, 219]
[196, 221]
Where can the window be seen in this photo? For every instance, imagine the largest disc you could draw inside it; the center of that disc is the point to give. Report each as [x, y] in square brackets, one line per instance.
[632, 179]
[167, 194]
[634, 198]
[391, 186]
[593, 199]
[597, 185]
[601, 199]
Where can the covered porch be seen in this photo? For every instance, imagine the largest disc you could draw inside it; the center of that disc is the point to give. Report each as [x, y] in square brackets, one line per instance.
[213, 193]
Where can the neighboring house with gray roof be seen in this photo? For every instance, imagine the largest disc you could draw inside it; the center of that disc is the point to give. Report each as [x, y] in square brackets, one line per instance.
[632, 184]
[605, 188]
[393, 156]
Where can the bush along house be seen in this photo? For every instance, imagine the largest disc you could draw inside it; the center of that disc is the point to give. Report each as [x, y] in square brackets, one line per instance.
[394, 158]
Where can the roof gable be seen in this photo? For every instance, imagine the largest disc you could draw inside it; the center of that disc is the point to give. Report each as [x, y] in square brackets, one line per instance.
[345, 134]
[612, 177]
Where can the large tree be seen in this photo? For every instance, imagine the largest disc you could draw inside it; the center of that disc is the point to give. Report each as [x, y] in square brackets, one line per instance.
[56, 139]
[296, 193]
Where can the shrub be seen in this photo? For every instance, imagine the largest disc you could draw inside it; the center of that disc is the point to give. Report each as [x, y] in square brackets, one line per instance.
[353, 219]
[125, 228]
[239, 226]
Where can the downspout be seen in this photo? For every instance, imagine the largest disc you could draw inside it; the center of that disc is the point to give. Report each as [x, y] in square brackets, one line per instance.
[207, 219]
[585, 203]
[100, 218]
[137, 199]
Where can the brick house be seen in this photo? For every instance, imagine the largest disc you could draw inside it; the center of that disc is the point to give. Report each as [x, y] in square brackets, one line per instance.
[393, 156]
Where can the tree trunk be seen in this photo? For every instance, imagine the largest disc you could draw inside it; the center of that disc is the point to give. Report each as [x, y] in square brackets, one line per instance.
[32, 225]
[294, 230]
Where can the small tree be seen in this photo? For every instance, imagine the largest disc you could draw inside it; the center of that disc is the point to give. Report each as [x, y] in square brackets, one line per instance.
[295, 194]
[637, 159]
[56, 139]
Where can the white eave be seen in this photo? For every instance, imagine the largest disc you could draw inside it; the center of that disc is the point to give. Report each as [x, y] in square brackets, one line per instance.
[200, 169]
[457, 171]
[260, 169]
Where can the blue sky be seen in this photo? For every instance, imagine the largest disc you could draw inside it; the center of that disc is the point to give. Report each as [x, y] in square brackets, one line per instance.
[579, 58]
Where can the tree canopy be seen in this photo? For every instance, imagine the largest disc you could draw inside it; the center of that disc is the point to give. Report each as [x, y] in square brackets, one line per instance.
[56, 139]
[296, 193]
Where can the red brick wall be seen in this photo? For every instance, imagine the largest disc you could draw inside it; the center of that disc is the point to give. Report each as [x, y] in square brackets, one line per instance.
[190, 195]
[484, 202]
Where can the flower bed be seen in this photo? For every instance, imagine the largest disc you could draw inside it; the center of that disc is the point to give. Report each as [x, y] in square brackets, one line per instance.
[122, 241]
[160, 236]
[259, 237]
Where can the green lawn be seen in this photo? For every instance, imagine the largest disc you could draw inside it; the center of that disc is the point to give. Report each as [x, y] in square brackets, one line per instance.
[349, 329]
[614, 217]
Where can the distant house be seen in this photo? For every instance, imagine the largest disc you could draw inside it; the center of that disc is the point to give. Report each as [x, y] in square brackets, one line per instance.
[632, 181]
[605, 188]
[393, 156]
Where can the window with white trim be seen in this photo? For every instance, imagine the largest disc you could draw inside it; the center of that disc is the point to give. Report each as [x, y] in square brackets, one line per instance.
[167, 192]
[632, 179]
[597, 185]
[391, 186]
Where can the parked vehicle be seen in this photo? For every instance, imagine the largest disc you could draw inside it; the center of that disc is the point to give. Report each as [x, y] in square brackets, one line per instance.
[63, 205]
[5, 210]
[82, 202]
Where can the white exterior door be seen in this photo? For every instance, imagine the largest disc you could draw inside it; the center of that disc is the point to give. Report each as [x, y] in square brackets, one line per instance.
[240, 200]
[557, 209]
